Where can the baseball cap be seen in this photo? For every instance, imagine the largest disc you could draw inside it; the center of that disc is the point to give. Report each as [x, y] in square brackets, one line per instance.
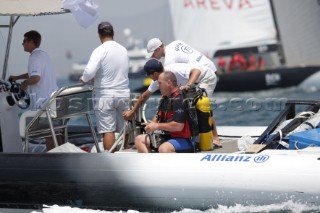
[152, 66]
[152, 45]
[105, 26]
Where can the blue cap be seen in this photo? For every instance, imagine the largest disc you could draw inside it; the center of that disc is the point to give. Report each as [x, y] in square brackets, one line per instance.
[152, 66]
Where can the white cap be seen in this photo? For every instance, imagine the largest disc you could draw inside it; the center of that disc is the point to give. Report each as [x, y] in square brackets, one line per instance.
[152, 45]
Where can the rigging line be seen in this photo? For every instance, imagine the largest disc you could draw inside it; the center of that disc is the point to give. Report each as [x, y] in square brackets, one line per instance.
[2, 37]
[1, 33]
[3, 42]
[2, 47]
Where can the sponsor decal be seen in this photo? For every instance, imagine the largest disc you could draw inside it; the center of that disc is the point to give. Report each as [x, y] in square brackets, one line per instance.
[183, 48]
[272, 79]
[261, 158]
[235, 158]
[218, 5]
[180, 111]
[186, 49]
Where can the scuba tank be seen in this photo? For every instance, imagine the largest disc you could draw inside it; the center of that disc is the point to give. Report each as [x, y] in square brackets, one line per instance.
[204, 122]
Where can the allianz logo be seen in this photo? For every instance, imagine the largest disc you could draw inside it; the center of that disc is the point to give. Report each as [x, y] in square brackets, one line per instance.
[235, 158]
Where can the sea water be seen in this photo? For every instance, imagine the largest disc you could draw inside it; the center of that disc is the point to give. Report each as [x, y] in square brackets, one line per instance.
[237, 108]
[285, 207]
[256, 108]
[244, 109]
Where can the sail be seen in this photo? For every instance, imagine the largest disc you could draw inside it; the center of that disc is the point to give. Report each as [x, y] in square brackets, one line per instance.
[212, 25]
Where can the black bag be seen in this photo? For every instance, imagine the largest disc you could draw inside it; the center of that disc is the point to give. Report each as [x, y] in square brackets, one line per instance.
[189, 97]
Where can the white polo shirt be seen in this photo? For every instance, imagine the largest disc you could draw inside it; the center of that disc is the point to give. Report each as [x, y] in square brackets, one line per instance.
[109, 66]
[41, 65]
[182, 73]
[180, 52]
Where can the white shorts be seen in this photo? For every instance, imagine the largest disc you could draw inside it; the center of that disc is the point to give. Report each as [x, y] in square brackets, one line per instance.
[209, 85]
[109, 112]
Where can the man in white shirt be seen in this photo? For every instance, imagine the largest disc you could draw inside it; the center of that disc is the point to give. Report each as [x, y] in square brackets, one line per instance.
[186, 74]
[108, 66]
[178, 52]
[40, 76]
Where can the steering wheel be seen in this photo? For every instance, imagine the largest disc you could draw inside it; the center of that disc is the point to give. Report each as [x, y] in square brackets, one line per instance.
[20, 97]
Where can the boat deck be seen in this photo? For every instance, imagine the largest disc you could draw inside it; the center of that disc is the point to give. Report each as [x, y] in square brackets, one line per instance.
[229, 145]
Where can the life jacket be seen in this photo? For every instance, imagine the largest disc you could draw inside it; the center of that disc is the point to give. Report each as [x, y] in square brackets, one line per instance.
[221, 62]
[165, 115]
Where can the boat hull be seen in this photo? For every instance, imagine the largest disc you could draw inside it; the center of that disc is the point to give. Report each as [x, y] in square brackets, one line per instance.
[264, 79]
[158, 181]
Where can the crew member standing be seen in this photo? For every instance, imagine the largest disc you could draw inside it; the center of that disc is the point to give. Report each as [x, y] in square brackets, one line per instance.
[109, 67]
[40, 77]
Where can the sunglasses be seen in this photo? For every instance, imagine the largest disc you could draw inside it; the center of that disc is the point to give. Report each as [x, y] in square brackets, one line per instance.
[25, 41]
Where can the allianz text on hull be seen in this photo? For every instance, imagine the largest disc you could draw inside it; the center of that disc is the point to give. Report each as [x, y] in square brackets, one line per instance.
[159, 181]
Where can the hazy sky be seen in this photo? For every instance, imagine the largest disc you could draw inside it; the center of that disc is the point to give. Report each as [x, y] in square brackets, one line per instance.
[147, 19]
[61, 33]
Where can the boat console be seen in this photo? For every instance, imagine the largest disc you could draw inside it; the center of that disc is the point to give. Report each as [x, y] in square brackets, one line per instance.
[10, 98]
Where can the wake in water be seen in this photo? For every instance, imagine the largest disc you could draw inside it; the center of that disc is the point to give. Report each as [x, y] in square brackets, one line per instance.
[285, 207]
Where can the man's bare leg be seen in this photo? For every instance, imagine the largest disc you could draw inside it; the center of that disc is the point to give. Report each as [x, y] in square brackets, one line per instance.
[142, 143]
[108, 140]
[215, 138]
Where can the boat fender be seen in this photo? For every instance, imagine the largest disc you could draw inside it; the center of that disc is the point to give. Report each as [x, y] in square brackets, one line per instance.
[286, 122]
[311, 123]
[283, 124]
[285, 128]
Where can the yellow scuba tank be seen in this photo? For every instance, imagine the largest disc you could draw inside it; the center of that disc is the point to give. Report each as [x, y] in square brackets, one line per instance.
[204, 122]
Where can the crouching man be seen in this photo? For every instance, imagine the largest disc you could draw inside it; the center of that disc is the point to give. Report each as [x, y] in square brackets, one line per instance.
[171, 118]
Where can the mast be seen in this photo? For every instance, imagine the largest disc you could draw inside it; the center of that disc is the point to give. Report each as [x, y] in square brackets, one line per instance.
[281, 54]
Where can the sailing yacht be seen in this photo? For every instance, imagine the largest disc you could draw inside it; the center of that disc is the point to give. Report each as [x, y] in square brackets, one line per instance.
[222, 28]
